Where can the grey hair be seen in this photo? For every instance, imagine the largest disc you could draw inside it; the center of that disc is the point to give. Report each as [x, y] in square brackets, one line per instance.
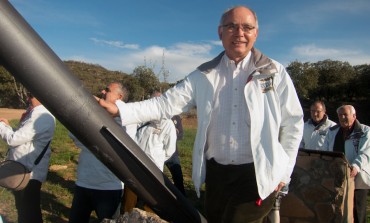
[352, 109]
[122, 90]
[227, 12]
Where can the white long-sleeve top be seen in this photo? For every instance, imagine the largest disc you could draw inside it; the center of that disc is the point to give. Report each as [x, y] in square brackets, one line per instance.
[158, 141]
[276, 116]
[91, 172]
[28, 140]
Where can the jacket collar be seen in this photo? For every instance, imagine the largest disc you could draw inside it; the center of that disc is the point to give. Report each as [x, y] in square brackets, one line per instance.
[262, 64]
[357, 131]
[208, 66]
[321, 123]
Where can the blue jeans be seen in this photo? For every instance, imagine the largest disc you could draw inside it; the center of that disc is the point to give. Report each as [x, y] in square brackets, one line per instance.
[104, 202]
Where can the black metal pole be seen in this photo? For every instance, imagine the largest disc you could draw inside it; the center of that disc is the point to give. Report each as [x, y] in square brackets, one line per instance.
[29, 59]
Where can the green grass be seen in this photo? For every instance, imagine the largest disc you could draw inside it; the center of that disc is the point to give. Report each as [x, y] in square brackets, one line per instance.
[57, 191]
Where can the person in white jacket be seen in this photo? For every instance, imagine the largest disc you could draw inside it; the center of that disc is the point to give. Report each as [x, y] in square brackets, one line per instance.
[353, 139]
[97, 188]
[316, 128]
[33, 134]
[157, 139]
[250, 123]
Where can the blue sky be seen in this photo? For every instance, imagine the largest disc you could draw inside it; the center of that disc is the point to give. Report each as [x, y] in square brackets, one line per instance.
[121, 35]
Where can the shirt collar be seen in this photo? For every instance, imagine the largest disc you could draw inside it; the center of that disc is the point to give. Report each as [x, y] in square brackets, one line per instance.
[243, 64]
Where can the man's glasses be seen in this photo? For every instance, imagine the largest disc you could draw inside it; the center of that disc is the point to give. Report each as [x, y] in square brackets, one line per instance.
[235, 27]
[107, 90]
[315, 111]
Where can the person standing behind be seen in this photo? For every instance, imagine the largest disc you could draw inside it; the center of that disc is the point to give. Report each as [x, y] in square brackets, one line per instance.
[316, 128]
[97, 188]
[173, 163]
[353, 139]
[250, 123]
[26, 142]
[157, 139]
[314, 133]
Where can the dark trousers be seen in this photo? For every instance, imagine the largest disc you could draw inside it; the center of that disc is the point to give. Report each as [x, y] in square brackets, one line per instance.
[28, 203]
[105, 203]
[173, 164]
[231, 194]
[359, 210]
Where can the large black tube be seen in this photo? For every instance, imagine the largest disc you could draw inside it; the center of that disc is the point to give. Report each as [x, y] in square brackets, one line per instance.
[29, 59]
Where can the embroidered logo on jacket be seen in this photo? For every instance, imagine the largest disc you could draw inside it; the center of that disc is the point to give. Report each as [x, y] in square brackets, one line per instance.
[266, 84]
[356, 139]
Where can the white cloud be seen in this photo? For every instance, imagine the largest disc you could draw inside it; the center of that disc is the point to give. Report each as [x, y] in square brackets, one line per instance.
[216, 42]
[190, 49]
[314, 53]
[117, 44]
[180, 59]
[312, 50]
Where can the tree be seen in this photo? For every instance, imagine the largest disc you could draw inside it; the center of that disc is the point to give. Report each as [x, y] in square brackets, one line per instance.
[13, 93]
[334, 77]
[362, 81]
[147, 80]
[305, 78]
[136, 92]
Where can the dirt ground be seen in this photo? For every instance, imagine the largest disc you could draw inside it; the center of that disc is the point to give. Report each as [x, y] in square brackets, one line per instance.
[11, 113]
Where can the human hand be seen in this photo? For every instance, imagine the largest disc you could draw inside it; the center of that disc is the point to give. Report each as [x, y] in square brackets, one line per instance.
[4, 120]
[281, 185]
[353, 172]
[110, 107]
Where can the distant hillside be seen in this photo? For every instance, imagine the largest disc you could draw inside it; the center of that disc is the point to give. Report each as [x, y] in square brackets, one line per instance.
[94, 76]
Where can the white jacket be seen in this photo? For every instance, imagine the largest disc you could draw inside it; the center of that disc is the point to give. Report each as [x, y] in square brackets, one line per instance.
[314, 136]
[29, 139]
[357, 151]
[277, 117]
[158, 141]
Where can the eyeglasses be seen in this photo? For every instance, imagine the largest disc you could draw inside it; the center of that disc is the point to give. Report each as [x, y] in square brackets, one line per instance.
[235, 27]
[107, 90]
